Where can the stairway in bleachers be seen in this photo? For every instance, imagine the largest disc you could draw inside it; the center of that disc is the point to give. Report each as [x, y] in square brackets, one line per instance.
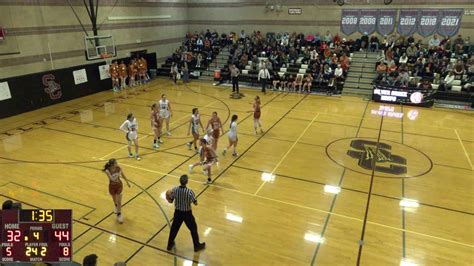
[361, 75]
[218, 63]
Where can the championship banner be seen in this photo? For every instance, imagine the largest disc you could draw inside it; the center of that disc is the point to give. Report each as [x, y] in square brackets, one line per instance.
[386, 21]
[368, 21]
[349, 21]
[450, 22]
[408, 21]
[428, 23]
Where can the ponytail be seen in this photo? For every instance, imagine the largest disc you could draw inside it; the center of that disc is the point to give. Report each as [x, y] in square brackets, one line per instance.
[109, 164]
[233, 119]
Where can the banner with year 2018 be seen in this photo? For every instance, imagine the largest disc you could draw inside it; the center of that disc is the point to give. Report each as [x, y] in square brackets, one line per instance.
[349, 21]
[450, 22]
[428, 22]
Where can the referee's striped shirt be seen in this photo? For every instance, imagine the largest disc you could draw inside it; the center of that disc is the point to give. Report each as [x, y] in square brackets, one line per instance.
[183, 197]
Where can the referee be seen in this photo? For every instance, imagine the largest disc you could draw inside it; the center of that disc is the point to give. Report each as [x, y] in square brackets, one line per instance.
[183, 197]
[234, 74]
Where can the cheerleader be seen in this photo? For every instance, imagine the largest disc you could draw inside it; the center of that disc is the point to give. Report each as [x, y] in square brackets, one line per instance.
[130, 127]
[232, 136]
[142, 69]
[194, 124]
[208, 158]
[256, 114]
[216, 125]
[132, 72]
[165, 113]
[114, 75]
[114, 173]
[156, 121]
[122, 69]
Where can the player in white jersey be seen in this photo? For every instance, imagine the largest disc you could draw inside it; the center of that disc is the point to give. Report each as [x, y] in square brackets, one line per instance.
[165, 112]
[194, 125]
[130, 127]
[232, 136]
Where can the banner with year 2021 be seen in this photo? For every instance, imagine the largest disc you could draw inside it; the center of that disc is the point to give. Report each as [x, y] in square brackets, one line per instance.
[450, 22]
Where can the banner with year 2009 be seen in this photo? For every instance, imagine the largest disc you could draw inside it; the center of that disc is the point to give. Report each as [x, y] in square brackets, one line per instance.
[386, 21]
[428, 22]
[349, 21]
[450, 22]
[368, 20]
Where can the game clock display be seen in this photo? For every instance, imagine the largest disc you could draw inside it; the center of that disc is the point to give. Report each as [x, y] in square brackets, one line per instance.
[36, 235]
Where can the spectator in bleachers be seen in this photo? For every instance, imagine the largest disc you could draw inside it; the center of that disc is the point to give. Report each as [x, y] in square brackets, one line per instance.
[364, 41]
[403, 59]
[328, 37]
[308, 83]
[381, 71]
[374, 43]
[174, 72]
[339, 73]
[434, 42]
[426, 85]
[459, 68]
[447, 83]
[298, 83]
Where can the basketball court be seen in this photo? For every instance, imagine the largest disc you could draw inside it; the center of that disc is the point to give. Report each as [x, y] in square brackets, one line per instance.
[307, 191]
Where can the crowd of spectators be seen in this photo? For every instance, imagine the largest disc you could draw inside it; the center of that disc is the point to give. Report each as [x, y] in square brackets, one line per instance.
[407, 63]
[326, 56]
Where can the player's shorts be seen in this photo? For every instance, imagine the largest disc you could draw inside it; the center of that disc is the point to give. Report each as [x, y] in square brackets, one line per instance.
[132, 135]
[164, 113]
[115, 188]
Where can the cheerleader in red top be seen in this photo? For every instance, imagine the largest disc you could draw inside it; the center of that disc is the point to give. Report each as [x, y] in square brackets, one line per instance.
[216, 125]
[114, 173]
[257, 114]
[122, 70]
[156, 120]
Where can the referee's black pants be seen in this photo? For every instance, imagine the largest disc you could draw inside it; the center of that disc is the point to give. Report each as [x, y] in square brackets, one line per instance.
[178, 219]
[264, 85]
[235, 84]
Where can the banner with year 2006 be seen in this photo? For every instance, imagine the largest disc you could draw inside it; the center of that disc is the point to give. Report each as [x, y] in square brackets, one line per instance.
[368, 20]
[349, 21]
[407, 21]
[450, 22]
[428, 22]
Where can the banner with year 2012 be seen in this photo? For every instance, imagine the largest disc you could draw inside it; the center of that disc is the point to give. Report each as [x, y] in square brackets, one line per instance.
[407, 21]
[428, 22]
[349, 21]
[450, 22]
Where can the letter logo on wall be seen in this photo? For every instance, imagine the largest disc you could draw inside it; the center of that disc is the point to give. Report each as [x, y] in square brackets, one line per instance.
[366, 151]
[52, 87]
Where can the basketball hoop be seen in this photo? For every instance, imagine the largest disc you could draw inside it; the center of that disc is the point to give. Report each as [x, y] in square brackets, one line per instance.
[107, 57]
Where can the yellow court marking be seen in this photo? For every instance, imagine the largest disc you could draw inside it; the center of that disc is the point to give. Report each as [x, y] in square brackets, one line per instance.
[309, 208]
[464, 149]
[150, 134]
[288, 152]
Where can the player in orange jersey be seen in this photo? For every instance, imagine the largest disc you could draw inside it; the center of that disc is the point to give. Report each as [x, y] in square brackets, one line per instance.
[122, 70]
[114, 173]
[113, 71]
[216, 125]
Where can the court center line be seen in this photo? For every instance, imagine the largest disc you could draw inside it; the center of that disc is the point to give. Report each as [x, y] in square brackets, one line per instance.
[288, 152]
[175, 121]
[464, 149]
[309, 208]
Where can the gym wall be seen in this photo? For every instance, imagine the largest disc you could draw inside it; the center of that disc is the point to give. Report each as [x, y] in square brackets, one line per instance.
[36, 27]
[317, 15]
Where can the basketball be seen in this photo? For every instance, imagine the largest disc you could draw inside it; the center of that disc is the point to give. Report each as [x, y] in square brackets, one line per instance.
[169, 195]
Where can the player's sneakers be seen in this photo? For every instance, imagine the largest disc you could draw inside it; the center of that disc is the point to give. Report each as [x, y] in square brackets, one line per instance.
[224, 152]
[138, 158]
[120, 218]
[130, 155]
[189, 145]
[190, 168]
[208, 182]
[168, 133]
[160, 141]
[235, 154]
[156, 146]
[205, 172]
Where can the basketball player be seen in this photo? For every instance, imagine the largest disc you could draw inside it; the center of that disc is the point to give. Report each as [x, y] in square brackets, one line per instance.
[256, 114]
[209, 140]
[194, 124]
[156, 121]
[208, 158]
[114, 75]
[142, 70]
[165, 112]
[114, 173]
[130, 127]
[216, 125]
[122, 74]
[132, 72]
[232, 136]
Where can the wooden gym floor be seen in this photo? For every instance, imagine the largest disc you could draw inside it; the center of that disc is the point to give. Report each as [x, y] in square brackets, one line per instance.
[51, 158]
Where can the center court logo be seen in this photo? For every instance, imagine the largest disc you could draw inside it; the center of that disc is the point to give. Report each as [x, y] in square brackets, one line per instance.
[390, 160]
[365, 151]
[52, 87]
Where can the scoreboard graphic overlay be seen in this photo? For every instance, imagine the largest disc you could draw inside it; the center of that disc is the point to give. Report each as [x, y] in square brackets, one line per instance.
[36, 236]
